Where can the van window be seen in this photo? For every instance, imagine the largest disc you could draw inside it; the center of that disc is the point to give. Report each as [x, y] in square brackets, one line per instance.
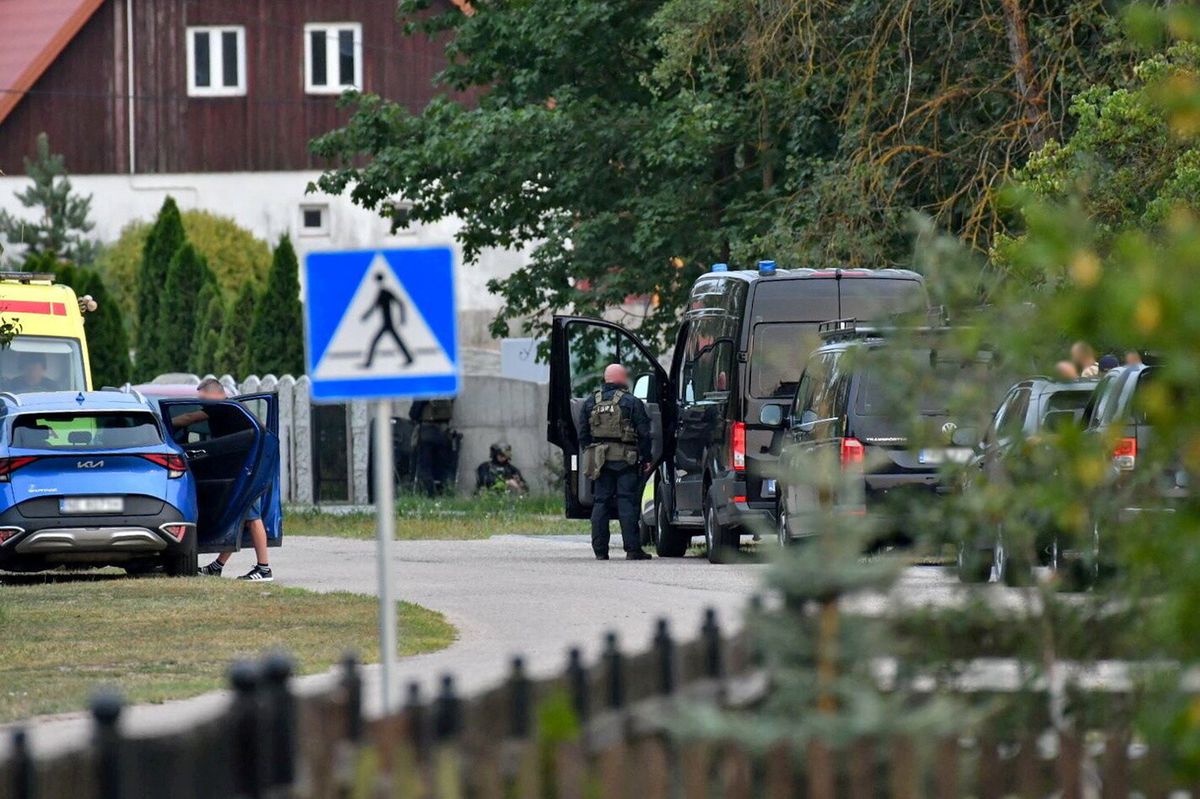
[41, 363]
[878, 298]
[81, 431]
[779, 351]
[707, 362]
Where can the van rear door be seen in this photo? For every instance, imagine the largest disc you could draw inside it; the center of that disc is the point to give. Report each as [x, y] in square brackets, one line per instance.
[580, 348]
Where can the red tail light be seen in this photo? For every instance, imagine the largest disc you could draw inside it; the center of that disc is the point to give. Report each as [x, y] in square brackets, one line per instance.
[174, 464]
[853, 452]
[9, 533]
[1125, 454]
[737, 446]
[10, 465]
[176, 531]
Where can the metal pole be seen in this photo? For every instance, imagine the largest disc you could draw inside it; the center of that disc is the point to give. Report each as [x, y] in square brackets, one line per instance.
[385, 529]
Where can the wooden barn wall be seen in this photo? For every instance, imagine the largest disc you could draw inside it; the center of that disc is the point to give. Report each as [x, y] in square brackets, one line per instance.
[267, 129]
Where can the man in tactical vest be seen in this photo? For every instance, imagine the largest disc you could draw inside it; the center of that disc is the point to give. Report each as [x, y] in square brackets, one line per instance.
[615, 437]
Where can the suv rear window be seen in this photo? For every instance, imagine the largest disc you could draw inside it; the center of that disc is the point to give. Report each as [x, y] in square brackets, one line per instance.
[928, 387]
[1067, 401]
[72, 431]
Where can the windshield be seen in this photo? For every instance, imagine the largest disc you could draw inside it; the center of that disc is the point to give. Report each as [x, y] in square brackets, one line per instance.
[41, 363]
[72, 431]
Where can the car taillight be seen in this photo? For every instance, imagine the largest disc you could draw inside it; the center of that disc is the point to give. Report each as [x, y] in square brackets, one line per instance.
[853, 452]
[10, 465]
[737, 446]
[9, 533]
[176, 531]
[174, 464]
[1125, 454]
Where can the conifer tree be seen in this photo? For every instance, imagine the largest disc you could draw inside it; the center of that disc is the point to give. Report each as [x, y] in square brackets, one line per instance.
[61, 226]
[276, 340]
[166, 237]
[210, 319]
[180, 307]
[235, 334]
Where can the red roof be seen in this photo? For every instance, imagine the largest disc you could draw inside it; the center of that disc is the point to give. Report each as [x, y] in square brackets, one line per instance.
[32, 34]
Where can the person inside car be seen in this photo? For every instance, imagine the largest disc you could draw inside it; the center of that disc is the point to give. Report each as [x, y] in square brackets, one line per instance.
[33, 375]
[1084, 358]
[211, 389]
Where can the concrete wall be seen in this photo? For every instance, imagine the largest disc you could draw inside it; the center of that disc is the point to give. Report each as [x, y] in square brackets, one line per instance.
[488, 409]
[269, 204]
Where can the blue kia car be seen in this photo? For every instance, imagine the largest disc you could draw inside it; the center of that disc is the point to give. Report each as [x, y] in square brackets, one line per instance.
[119, 478]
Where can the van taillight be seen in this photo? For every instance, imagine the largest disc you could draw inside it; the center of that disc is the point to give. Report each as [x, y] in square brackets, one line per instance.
[174, 464]
[1125, 454]
[737, 446]
[10, 465]
[853, 452]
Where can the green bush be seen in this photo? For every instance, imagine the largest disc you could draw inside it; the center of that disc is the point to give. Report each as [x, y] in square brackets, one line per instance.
[186, 280]
[276, 345]
[233, 253]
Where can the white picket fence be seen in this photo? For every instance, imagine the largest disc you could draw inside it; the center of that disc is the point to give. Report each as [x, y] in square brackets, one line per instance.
[489, 408]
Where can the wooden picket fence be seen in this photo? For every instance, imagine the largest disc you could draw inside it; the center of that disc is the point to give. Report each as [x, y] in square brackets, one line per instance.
[598, 731]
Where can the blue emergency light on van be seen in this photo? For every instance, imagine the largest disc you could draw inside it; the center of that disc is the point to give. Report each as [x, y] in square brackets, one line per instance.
[720, 267]
[766, 268]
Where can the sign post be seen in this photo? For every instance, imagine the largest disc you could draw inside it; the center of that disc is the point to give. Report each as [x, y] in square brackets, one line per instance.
[382, 325]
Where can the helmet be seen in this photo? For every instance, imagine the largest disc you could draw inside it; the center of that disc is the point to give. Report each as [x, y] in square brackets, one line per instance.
[502, 448]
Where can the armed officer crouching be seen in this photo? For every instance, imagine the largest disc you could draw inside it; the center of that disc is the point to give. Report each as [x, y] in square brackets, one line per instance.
[615, 437]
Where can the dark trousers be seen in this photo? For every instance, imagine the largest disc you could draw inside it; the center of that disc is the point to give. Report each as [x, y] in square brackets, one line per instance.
[619, 482]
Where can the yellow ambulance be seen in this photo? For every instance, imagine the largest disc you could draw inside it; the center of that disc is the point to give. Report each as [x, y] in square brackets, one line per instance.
[49, 351]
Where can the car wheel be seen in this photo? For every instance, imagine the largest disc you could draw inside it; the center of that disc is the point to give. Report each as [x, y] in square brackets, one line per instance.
[975, 564]
[184, 561]
[722, 543]
[668, 540]
[783, 525]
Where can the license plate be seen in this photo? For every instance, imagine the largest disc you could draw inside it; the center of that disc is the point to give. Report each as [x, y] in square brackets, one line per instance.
[936, 456]
[91, 504]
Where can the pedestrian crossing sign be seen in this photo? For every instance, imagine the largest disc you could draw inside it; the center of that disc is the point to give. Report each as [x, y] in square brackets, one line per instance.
[381, 324]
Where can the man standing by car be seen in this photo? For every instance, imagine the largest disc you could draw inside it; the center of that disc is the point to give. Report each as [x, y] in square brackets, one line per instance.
[616, 444]
[211, 389]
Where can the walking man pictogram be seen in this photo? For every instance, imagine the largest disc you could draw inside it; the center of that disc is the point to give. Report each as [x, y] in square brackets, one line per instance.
[383, 304]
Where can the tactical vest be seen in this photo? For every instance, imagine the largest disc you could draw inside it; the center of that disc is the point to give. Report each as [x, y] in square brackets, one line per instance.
[613, 434]
[438, 410]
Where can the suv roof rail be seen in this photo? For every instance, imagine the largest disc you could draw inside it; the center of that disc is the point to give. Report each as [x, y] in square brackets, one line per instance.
[27, 277]
[833, 327]
[8, 395]
[845, 329]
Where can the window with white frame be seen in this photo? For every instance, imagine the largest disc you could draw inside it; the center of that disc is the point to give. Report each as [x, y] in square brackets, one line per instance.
[332, 57]
[216, 60]
[314, 219]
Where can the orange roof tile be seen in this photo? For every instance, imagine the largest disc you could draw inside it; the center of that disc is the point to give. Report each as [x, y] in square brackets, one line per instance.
[32, 34]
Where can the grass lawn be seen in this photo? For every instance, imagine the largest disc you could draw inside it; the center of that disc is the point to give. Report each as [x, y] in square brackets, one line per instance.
[419, 517]
[157, 638]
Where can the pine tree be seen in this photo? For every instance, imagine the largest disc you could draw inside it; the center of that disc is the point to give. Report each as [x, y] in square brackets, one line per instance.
[187, 276]
[166, 237]
[62, 225]
[210, 320]
[276, 341]
[235, 334]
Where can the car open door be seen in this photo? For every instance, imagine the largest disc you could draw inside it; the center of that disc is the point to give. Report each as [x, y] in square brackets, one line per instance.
[227, 447]
[265, 408]
[580, 348]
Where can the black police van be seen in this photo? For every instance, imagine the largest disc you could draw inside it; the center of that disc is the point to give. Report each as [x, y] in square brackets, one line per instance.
[739, 352]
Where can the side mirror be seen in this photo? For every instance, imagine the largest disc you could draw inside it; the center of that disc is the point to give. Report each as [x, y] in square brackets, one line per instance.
[807, 421]
[771, 415]
[965, 437]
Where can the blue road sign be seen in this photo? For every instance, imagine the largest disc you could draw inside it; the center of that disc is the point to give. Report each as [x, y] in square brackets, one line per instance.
[381, 323]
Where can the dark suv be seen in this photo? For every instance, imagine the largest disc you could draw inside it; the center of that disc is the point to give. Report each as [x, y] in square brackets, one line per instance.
[850, 411]
[737, 358]
[1031, 410]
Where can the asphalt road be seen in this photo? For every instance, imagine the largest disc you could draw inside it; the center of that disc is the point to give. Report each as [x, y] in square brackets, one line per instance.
[530, 595]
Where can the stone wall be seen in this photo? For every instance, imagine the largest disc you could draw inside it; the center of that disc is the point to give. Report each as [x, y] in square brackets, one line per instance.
[488, 409]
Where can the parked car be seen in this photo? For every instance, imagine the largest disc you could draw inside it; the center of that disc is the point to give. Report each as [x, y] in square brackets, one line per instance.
[102, 478]
[735, 364]
[1032, 409]
[849, 410]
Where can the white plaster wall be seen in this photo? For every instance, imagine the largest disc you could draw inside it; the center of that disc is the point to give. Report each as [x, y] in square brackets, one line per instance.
[268, 204]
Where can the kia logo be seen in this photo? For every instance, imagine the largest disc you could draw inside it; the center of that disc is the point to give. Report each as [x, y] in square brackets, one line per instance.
[89, 465]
